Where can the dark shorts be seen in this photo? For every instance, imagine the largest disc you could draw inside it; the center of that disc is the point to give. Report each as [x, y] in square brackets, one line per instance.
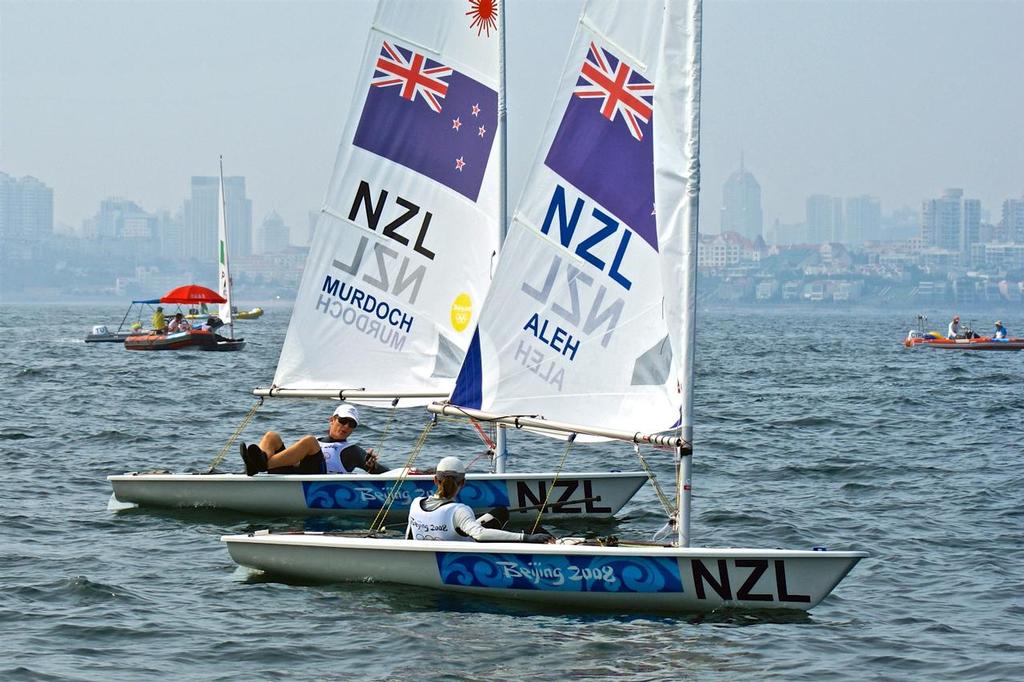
[313, 464]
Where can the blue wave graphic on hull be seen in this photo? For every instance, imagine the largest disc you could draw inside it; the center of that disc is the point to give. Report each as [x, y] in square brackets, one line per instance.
[560, 573]
[371, 494]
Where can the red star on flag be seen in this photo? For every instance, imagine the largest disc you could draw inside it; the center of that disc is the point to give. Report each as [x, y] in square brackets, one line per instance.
[456, 124]
[476, 109]
[481, 130]
[459, 163]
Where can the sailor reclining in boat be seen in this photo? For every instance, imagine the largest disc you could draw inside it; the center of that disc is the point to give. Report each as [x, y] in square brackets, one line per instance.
[440, 517]
[334, 454]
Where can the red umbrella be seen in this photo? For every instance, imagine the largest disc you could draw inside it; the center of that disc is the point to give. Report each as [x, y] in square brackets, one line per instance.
[192, 293]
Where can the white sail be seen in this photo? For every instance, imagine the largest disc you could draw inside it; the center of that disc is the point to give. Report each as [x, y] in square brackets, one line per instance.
[576, 327]
[223, 269]
[403, 251]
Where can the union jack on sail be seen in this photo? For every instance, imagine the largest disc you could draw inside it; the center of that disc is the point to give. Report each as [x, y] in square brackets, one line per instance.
[415, 74]
[621, 89]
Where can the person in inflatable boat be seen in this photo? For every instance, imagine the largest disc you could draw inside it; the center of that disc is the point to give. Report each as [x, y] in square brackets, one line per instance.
[954, 328]
[334, 453]
[1001, 333]
[440, 517]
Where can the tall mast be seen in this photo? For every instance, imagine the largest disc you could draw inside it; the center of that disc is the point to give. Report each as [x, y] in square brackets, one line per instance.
[684, 456]
[500, 442]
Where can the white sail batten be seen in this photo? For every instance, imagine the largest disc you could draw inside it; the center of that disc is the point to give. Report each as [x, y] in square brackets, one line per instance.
[400, 258]
[575, 326]
[224, 310]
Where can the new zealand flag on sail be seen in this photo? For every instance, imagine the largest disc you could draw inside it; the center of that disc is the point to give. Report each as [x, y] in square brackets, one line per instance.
[429, 118]
[604, 145]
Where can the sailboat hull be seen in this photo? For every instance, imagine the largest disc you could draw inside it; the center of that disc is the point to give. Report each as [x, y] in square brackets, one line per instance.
[624, 578]
[593, 495]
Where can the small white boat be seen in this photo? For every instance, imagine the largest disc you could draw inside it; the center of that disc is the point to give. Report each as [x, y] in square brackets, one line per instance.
[575, 495]
[633, 110]
[580, 576]
[101, 333]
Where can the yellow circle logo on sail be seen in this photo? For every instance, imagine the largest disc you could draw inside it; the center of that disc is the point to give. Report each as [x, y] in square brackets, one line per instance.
[462, 312]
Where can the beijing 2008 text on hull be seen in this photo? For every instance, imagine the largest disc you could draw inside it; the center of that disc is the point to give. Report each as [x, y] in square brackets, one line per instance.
[623, 578]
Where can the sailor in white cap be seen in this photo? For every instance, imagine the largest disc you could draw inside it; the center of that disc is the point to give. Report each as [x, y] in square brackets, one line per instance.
[335, 453]
[440, 517]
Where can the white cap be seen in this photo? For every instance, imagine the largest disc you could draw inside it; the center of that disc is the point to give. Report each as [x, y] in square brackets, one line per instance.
[347, 411]
[452, 466]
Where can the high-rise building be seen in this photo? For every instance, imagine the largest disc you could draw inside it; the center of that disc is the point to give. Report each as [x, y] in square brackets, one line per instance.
[950, 222]
[172, 234]
[1012, 223]
[971, 232]
[200, 218]
[741, 204]
[273, 234]
[26, 215]
[824, 219]
[863, 219]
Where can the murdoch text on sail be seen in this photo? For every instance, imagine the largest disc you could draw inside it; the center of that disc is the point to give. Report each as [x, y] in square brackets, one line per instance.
[365, 312]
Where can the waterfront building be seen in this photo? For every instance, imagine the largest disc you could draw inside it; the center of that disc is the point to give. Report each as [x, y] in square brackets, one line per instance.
[863, 219]
[171, 229]
[200, 218]
[716, 251]
[123, 229]
[1011, 227]
[950, 223]
[741, 204]
[274, 234]
[971, 232]
[824, 219]
[26, 216]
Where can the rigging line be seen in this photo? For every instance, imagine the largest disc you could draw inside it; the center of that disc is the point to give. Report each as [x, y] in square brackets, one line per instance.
[378, 521]
[387, 428]
[234, 436]
[662, 497]
[488, 441]
[489, 452]
[565, 453]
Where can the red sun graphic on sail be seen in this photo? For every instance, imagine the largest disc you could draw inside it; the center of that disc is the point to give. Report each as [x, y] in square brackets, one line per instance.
[485, 16]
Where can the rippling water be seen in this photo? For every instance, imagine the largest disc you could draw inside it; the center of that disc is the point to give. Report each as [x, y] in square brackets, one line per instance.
[813, 428]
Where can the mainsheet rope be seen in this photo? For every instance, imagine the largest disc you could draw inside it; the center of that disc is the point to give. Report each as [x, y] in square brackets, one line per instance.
[246, 420]
[565, 453]
[387, 429]
[382, 514]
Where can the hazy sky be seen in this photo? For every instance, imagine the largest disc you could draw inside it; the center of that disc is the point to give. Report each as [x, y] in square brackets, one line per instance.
[894, 99]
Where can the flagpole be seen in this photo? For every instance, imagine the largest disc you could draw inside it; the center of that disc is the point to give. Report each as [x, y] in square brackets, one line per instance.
[500, 442]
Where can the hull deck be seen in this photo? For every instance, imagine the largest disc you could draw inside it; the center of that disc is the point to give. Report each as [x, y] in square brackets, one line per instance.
[585, 576]
[593, 494]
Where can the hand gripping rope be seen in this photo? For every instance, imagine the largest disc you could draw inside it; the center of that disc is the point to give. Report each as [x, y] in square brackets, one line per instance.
[246, 420]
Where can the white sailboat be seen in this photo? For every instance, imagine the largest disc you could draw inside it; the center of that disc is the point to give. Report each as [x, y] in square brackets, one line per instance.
[608, 222]
[224, 310]
[401, 260]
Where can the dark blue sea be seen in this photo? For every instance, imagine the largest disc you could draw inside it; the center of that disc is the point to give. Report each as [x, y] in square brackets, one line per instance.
[813, 427]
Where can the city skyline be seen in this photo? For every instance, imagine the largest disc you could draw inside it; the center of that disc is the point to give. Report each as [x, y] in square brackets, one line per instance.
[819, 98]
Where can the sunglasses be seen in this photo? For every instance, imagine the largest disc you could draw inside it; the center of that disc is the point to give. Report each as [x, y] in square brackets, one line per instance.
[346, 421]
